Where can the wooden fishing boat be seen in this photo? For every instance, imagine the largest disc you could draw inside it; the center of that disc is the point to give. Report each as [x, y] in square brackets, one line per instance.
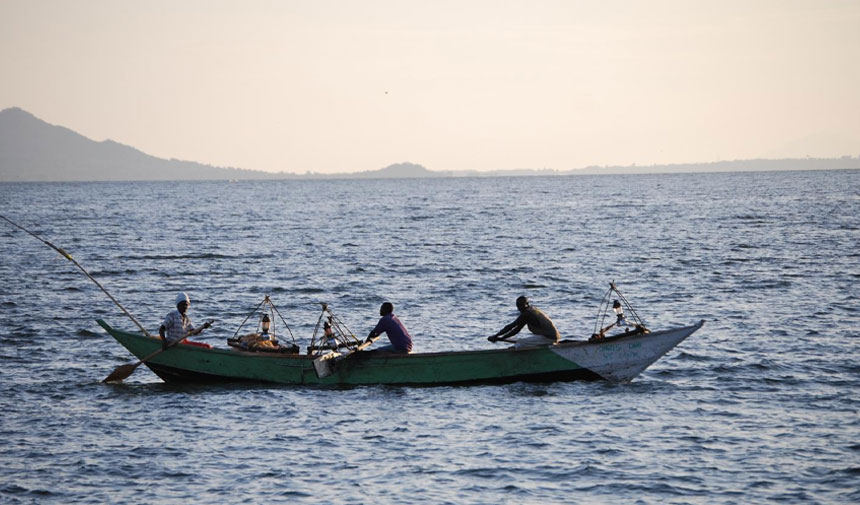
[617, 359]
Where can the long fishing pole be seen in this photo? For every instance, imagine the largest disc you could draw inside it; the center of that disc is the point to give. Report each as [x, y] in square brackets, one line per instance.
[68, 256]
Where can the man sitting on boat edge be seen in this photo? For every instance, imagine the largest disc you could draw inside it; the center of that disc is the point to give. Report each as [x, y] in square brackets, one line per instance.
[538, 323]
[401, 340]
[177, 325]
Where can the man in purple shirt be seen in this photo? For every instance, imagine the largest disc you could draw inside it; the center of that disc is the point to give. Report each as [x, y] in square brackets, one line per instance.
[401, 341]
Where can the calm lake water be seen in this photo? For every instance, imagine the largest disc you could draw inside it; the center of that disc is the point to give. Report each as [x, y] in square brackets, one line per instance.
[761, 405]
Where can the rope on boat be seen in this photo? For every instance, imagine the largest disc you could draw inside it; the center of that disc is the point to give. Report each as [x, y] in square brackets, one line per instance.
[340, 334]
[605, 304]
[266, 301]
[249, 315]
[628, 304]
[68, 256]
[282, 319]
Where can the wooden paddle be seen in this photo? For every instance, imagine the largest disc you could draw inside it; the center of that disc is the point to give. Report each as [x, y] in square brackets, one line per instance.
[325, 365]
[123, 372]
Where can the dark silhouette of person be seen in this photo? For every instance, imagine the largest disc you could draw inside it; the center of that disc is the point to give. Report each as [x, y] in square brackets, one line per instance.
[538, 323]
[401, 340]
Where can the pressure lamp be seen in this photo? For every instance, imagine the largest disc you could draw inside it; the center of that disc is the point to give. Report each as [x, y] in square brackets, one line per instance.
[619, 312]
[265, 323]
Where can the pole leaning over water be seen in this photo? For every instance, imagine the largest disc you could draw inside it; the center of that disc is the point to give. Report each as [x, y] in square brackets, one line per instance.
[68, 256]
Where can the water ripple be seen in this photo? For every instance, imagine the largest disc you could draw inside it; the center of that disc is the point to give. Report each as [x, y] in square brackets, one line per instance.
[757, 408]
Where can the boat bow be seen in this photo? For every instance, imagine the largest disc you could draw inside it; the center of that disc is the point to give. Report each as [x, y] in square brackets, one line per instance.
[622, 359]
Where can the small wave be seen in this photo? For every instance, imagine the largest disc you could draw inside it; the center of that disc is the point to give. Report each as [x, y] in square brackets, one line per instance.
[533, 286]
[16, 489]
[652, 489]
[688, 356]
[109, 273]
[733, 260]
[484, 473]
[312, 291]
[202, 256]
[87, 334]
[295, 494]
[761, 484]
[418, 270]
[795, 497]
[13, 489]
[768, 285]
[750, 217]
[762, 366]
[624, 205]
[511, 489]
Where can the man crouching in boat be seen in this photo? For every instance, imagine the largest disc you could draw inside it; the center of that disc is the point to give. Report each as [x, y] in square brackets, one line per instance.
[177, 325]
[539, 323]
[401, 340]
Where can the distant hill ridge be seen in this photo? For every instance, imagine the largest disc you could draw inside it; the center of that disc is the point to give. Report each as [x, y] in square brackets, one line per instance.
[34, 150]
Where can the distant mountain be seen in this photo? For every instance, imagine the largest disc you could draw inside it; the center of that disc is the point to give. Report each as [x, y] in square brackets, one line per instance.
[403, 170]
[758, 165]
[33, 150]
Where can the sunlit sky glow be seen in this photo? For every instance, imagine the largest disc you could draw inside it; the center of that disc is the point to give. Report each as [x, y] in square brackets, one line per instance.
[341, 86]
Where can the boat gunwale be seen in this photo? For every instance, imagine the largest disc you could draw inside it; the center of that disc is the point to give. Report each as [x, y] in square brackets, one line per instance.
[390, 355]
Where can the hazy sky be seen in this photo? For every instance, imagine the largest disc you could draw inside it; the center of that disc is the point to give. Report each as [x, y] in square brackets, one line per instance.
[332, 86]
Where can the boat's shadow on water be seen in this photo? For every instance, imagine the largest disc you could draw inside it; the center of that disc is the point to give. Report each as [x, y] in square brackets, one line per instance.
[651, 381]
[246, 388]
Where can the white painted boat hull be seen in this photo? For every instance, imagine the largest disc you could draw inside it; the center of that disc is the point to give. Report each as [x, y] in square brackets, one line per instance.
[623, 359]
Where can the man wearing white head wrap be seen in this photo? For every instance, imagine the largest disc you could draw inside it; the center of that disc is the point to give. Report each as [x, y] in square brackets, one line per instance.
[177, 325]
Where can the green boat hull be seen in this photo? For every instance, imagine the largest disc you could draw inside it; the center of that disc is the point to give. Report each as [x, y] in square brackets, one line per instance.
[618, 360]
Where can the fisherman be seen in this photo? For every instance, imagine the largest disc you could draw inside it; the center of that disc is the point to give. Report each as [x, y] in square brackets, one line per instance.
[177, 325]
[401, 341]
[539, 323]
